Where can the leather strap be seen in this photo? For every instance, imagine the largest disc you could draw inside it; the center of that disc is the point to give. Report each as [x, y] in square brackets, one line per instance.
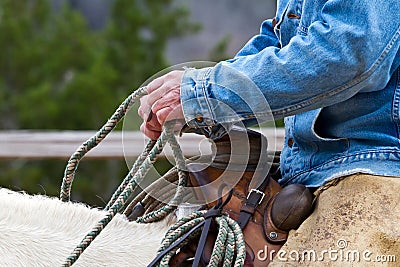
[136, 212]
[216, 211]
[202, 242]
[254, 198]
[174, 245]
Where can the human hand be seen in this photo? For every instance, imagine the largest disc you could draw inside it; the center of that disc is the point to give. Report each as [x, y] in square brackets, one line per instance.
[161, 104]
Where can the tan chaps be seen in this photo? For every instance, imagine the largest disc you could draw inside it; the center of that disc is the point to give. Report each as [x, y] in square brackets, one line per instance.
[356, 222]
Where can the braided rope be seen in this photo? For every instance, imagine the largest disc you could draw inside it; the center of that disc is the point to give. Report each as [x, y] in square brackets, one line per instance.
[120, 202]
[157, 188]
[74, 160]
[229, 248]
[186, 198]
[155, 195]
[161, 213]
[139, 161]
[219, 253]
[239, 242]
[229, 253]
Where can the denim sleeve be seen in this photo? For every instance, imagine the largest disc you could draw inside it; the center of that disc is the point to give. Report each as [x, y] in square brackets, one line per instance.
[349, 49]
[266, 38]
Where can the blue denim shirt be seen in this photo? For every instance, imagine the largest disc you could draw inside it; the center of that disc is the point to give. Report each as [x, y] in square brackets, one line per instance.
[331, 69]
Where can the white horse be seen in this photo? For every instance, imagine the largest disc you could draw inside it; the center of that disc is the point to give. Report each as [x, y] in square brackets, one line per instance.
[42, 231]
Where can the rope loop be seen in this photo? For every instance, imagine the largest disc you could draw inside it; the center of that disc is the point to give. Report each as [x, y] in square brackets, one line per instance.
[229, 247]
[92, 142]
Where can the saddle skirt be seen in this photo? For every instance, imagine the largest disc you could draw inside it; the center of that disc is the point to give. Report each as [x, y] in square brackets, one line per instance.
[258, 203]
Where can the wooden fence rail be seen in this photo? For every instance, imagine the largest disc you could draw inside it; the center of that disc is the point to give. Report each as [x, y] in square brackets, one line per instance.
[61, 144]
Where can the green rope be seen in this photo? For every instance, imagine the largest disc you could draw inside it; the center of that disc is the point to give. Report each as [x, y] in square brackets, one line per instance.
[139, 161]
[178, 233]
[218, 253]
[120, 202]
[229, 248]
[155, 195]
[161, 213]
[92, 142]
[238, 238]
[155, 192]
[135, 179]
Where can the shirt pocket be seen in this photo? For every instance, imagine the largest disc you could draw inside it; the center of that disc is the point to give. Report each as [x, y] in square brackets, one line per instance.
[308, 138]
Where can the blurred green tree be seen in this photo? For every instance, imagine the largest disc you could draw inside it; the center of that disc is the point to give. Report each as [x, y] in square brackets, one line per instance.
[55, 73]
[218, 52]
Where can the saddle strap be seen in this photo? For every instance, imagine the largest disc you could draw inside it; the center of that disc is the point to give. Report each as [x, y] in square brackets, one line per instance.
[209, 216]
[254, 198]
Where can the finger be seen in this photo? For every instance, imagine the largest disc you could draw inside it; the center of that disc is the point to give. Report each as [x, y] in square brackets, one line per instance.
[169, 113]
[150, 116]
[144, 108]
[153, 124]
[146, 103]
[172, 98]
[161, 92]
[158, 88]
[148, 100]
[163, 114]
[153, 135]
[154, 84]
[174, 76]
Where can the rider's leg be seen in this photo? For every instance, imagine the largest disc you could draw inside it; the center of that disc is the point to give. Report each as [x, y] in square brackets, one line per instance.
[356, 222]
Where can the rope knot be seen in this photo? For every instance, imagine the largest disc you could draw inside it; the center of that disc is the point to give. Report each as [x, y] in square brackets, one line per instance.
[212, 213]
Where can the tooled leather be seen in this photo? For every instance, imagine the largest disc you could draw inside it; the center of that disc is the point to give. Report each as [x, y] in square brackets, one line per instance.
[256, 226]
[241, 190]
[201, 177]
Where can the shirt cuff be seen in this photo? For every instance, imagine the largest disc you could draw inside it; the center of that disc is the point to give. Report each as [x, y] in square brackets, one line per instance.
[195, 98]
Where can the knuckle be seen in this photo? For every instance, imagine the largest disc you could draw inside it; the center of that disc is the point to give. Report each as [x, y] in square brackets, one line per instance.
[140, 111]
[161, 117]
[172, 73]
[156, 106]
[144, 99]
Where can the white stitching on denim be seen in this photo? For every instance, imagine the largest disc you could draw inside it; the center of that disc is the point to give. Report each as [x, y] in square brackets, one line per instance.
[204, 90]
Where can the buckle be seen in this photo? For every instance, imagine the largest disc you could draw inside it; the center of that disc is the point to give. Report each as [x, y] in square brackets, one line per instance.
[258, 192]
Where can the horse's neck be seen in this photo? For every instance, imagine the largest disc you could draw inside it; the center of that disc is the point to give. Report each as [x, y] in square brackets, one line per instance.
[47, 213]
[38, 230]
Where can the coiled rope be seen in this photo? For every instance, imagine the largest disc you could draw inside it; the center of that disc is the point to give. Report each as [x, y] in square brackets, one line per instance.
[229, 247]
[74, 160]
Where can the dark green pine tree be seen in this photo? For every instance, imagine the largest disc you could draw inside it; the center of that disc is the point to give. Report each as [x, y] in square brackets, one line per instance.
[137, 37]
[55, 73]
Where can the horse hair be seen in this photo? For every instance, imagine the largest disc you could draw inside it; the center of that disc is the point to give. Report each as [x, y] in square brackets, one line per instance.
[37, 230]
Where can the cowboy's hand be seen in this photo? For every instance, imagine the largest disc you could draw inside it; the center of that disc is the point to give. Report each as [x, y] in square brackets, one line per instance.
[161, 104]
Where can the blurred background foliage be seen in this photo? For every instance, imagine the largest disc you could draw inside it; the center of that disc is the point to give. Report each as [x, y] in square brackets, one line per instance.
[58, 73]
[53, 55]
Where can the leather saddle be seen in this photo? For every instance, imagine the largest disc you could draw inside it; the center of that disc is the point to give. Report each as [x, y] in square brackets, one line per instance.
[263, 210]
